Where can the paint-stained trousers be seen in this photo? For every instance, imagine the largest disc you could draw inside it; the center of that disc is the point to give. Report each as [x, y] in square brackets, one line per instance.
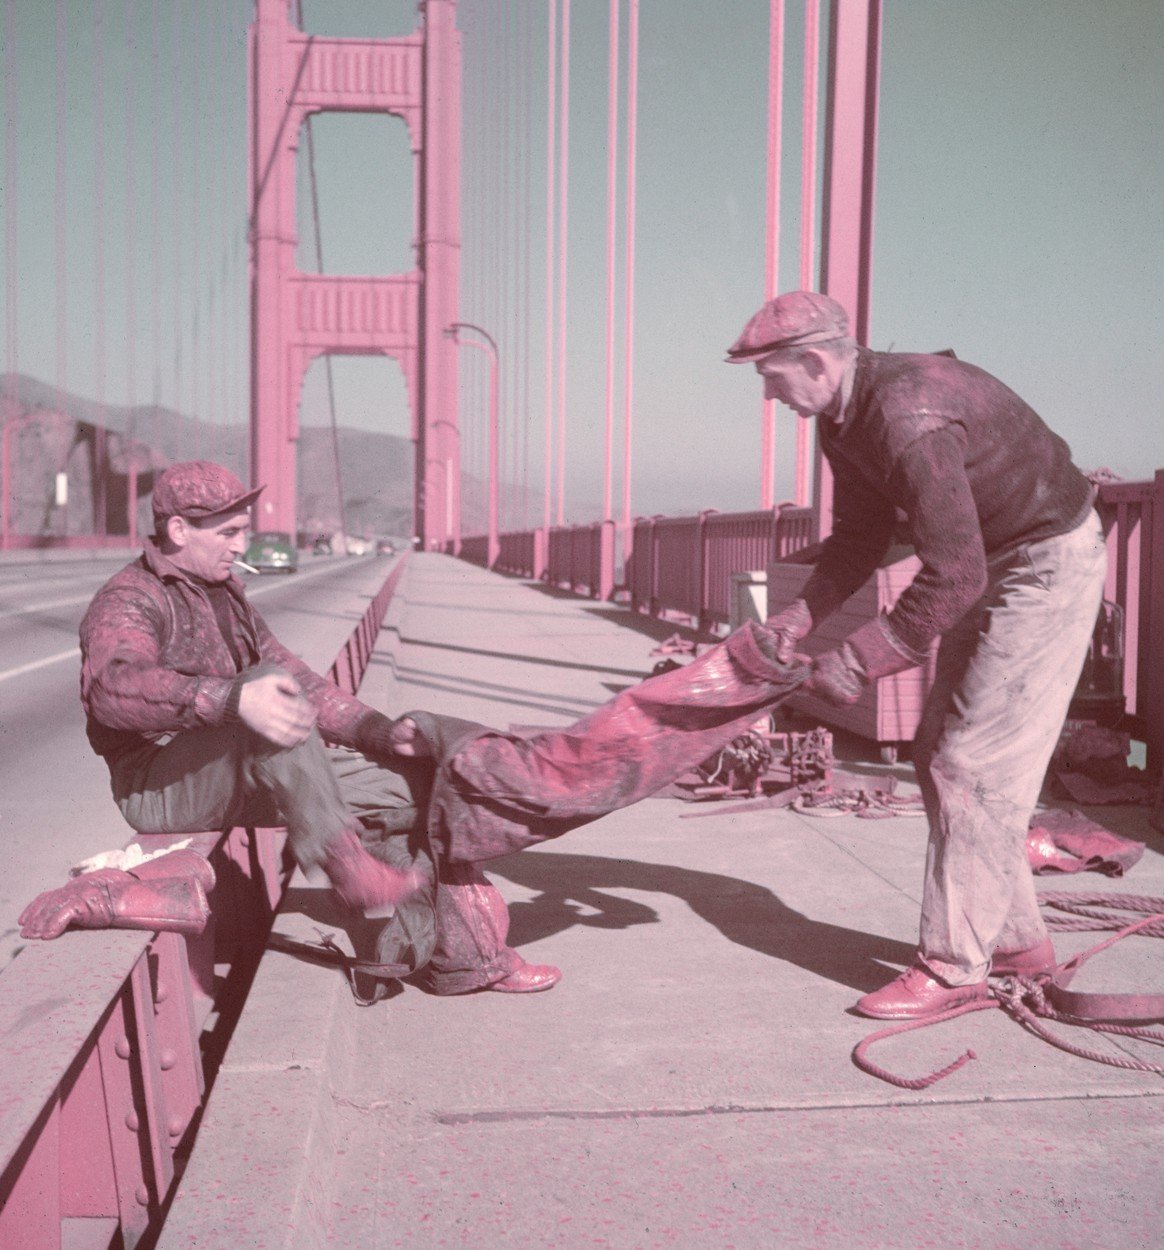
[1005, 676]
[454, 929]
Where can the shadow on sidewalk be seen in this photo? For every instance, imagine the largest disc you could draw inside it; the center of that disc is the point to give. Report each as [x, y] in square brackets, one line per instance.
[572, 891]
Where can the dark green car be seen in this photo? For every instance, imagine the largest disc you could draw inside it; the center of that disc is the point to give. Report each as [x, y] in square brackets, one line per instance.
[272, 551]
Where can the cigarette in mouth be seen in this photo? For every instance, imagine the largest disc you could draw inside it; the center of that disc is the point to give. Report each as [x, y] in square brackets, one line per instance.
[242, 564]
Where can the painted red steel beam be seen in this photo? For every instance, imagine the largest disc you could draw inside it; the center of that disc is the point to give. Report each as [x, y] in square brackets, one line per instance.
[850, 166]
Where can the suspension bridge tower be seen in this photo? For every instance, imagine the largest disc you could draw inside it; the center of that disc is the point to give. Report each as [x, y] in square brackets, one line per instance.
[296, 316]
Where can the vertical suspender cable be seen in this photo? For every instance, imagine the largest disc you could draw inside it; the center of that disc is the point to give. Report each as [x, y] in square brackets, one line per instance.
[59, 186]
[632, 114]
[611, 239]
[318, 235]
[526, 290]
[177, 47]
[772, 232]
[807, 206]
[155, 226]
[503, 182]
[563, 220]
[551, 129]
[98, 459]
[11, 337]
[8, 409]
[130, 222]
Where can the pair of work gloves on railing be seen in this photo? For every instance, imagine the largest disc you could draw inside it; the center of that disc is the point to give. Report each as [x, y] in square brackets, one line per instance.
[842, 675]
[167, 892]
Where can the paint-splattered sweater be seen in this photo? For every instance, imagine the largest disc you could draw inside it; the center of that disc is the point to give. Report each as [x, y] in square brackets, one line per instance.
[973, 470]
[156, 659]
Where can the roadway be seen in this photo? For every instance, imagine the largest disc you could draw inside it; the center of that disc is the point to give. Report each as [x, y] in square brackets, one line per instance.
[56, 806]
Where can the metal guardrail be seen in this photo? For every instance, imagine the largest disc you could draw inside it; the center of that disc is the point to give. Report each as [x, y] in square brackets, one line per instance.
[112, 1039]
[680, 565]
[684, 565]
[1133, 516]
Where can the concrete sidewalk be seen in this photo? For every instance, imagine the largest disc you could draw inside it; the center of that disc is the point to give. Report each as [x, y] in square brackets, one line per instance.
[689, 1081]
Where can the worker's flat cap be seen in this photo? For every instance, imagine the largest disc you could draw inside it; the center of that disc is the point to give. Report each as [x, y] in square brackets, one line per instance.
[200, 488]
[795, 319]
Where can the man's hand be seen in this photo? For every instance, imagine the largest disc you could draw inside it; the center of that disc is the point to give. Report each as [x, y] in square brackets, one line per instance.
[407, 739]
[275, 707]
[788, 628]
[841, 676]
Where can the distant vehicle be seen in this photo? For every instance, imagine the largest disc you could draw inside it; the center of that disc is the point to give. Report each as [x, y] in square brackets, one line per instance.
[322, 545]
[358, 546]
[385, 547]
[272, 551]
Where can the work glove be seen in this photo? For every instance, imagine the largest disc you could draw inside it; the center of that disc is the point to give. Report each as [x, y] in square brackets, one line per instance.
[112, 899]
[841, 676]
[167, 892]
[788, 627]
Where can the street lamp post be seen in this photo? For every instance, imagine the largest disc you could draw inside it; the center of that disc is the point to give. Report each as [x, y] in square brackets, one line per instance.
[493, 544]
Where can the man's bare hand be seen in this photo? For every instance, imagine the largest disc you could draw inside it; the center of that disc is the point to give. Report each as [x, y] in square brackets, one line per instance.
[275, 707]
[408, 740]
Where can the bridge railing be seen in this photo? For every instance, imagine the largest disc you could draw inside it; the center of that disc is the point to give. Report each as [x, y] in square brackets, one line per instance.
[678, 566]
[1133, 515]
[112, 1039]
[684, 565]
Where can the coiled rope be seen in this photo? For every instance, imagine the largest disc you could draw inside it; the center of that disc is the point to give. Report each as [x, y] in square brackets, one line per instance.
[1025, 999]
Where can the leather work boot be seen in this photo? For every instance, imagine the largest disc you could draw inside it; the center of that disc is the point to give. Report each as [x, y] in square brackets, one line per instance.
[528, 979]
[916, 995]
[362, 881]
[1028, 963]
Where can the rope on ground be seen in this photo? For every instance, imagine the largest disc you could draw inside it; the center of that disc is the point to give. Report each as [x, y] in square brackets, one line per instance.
[1086, 912]
[1024, 999]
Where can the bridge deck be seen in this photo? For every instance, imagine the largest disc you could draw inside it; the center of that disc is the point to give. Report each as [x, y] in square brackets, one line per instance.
[689, 1081]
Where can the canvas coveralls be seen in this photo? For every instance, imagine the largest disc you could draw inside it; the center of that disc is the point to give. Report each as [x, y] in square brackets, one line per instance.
[1013, 565]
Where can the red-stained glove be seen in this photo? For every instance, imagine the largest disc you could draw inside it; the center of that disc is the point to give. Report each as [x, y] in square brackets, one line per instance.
[841, 676]
[788, 627]
[112, 899]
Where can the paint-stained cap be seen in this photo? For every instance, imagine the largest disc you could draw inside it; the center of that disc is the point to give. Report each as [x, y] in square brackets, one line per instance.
[198, 489]
[795, 319]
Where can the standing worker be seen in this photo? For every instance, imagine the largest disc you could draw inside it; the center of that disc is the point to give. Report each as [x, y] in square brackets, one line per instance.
[1012, 572]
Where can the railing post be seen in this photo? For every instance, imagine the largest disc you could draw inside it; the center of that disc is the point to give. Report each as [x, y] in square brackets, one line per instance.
[701, 621]
[606, 562]
[1152, 636]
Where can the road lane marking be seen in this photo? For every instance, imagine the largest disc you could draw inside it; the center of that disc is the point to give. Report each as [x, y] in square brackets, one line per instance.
[43, 607]
[72, 653]
[75, 652]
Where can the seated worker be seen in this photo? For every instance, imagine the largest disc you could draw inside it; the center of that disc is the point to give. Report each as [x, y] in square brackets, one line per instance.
[207, 722]
[1012, 571]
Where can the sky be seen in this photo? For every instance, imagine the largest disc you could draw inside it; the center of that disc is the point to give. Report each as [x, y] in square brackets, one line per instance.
[1019, 211]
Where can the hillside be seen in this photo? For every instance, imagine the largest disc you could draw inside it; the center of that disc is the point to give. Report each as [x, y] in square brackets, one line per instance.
[61, 432]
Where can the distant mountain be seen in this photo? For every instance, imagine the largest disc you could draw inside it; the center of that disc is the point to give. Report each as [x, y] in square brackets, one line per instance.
[62, 430]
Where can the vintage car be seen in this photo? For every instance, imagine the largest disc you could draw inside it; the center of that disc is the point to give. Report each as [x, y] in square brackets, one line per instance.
[272, 551]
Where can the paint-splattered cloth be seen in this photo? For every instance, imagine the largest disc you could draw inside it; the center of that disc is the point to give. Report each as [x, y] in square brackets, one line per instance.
[495, 793]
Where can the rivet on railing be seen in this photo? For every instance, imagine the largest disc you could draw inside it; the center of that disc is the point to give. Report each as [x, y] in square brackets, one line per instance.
[174, 1126]
[142, 1194]
[132, 1122]
[162, 992]
[166, 1060]
[122, 1048]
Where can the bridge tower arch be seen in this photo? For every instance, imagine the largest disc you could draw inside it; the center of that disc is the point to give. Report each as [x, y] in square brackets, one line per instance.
[296, 316]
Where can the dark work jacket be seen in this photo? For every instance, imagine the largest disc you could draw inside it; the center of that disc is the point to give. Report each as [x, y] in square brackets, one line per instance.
[154, 662]
[973, 468]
